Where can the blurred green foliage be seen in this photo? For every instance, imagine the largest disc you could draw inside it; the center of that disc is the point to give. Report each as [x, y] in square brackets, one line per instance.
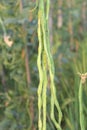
[18, 95]
[15, 92]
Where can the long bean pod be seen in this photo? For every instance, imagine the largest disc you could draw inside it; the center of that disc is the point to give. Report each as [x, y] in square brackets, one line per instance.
[44, 51]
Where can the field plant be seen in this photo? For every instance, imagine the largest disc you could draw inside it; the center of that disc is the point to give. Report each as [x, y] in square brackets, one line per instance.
[16, 101]
[72, 85]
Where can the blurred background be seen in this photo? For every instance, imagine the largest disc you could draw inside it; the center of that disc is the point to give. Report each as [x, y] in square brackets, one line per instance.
[18, 62]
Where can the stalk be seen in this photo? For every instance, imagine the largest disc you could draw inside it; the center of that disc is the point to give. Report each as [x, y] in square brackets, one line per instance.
[82, 124]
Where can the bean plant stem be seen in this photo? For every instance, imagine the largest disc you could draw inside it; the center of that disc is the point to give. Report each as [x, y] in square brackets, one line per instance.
[82, 124]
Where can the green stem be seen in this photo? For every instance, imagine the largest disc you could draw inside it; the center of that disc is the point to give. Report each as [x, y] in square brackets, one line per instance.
[82, 124]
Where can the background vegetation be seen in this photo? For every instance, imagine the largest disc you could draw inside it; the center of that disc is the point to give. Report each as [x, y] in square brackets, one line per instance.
[18, 62]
